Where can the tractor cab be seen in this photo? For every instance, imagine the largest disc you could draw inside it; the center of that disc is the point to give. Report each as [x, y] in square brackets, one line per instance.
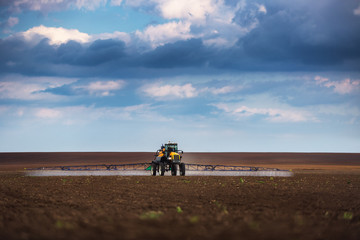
[168, 158]
[172, 152]
[172, 147]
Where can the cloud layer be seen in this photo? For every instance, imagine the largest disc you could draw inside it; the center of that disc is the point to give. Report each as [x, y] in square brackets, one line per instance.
[208, 34]
[235, 75]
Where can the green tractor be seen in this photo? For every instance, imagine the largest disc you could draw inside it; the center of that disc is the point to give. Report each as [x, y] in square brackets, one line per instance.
[168, 158]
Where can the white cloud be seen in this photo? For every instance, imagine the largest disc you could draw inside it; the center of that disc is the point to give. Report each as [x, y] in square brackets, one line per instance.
[262, 8]
[105, 85]
[197, 12]
[16, 90]
[357, 11]
[210, 20]
[55, 35]
[319, 80]
[157, 35]
[217, 42]
[187, 9]
[270, 114]
[167, 91]
[102, 88]
[30, 88]
[345, 86]
[170, 91]
[61, 35]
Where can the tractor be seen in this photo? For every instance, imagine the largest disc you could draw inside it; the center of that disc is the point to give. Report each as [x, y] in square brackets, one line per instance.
[168, 158]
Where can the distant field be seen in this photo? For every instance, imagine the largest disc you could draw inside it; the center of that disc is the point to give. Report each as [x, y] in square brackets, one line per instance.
[296, 161]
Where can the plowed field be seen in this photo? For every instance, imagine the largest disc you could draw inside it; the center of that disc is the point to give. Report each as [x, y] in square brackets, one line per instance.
[320, 202]
[303, 207]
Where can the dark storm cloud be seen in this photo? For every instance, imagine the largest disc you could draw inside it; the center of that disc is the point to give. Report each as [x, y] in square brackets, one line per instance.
[102, 57]
[191, 53]
[19, 56]
[291, 36]
[312, 33]
[99, 52]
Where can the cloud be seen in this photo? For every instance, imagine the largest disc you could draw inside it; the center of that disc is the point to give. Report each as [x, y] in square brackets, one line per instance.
[29, 88]
[170, 91]
[187, 9]
[88, 88]
[320, 80]
[210, 20]
[305, 33]
[56, 36]
[197, 12]
[190, 53]
[98, 52]
[243, 39]
[262, 8]
[102, 88]
[15, 90]
[161, 34]
[345, 86]
[167, 91]
[270, 114]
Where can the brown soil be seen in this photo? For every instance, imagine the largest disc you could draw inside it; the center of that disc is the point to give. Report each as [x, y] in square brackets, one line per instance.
[315, 205]
[303, 207]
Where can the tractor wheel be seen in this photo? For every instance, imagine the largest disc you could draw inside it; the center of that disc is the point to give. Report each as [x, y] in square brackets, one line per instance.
[154, 169]
[173, 170]
[182, 169]
[162, 169]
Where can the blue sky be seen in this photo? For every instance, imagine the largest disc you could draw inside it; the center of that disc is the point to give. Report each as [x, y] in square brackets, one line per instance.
[213, 75]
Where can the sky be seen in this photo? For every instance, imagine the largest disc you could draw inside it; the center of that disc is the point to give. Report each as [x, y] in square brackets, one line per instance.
[212, 75]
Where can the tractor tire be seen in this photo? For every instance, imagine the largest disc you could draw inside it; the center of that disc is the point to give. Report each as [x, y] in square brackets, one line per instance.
[182, 169]
[154, 169]
[174, 170]
[162, 169]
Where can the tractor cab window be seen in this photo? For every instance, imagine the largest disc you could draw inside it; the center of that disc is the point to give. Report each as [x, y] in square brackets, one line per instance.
[172, 147]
